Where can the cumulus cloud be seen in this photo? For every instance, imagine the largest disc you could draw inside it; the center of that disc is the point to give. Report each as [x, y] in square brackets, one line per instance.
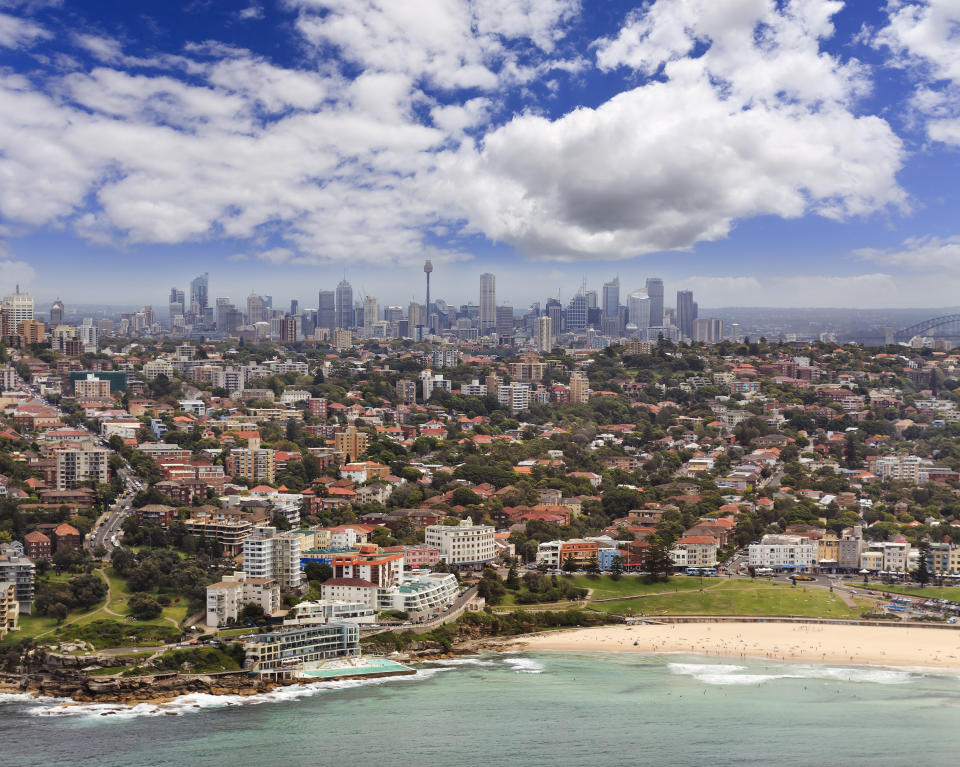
[397, 149]
[450, 44]
[16, 32]
[921, 36]
[13, 272]
[918, 253]
[760, 123]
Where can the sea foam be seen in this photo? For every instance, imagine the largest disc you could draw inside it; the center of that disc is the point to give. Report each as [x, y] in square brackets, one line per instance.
[723, 674]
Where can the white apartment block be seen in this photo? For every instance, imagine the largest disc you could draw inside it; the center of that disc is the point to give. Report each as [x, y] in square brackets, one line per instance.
[463, 544]
[516, 396]
[225, 600]
[327, 610]
[273, 555]
[155, 367]
[80, 463]
[474, 389]
[783, 552]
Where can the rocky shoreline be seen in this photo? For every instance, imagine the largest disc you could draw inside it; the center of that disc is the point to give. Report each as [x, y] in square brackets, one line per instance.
[83, 687]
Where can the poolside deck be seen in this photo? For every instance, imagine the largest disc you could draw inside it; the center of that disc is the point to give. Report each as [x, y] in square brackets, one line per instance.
[354, 668]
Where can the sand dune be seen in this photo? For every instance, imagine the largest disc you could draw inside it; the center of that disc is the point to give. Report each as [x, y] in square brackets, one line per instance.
[815, 643]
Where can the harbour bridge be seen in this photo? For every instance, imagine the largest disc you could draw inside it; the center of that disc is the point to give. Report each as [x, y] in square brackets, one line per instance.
[947, 327]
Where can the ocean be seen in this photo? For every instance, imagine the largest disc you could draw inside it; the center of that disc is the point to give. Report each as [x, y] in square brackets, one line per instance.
[523, 709]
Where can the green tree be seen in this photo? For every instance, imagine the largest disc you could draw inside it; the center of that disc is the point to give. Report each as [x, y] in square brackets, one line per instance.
[491, 587]
[318, 571]
[144, 607]
[569, 565]
[513, 579]
[923, 568]
[657, 561]
[616, 568]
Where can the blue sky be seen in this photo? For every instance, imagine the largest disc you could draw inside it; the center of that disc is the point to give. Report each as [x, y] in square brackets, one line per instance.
[762, 153]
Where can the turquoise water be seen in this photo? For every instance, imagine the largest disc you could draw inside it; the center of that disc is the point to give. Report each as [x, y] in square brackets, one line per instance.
[530, 710]
[371, 665]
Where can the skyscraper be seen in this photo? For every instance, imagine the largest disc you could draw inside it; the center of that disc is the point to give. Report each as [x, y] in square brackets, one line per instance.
[414, 316]
[344, 307]
[544, 335]
[18, 307]
[177, 305]
[427, 270]
[655, 291]
[198, 293]
[294, 307]
[56, 313]
[505, 321]
[488, 303]
[254, 309]
[371, 313]
[327, 310]
[577, 313]
[554, 310]
[611, 297]
[638, 310]
[686, 312]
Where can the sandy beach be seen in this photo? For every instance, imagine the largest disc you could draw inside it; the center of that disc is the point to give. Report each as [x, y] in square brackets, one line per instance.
[814, 643]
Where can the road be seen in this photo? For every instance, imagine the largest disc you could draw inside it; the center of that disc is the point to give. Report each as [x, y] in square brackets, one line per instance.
[104, 535]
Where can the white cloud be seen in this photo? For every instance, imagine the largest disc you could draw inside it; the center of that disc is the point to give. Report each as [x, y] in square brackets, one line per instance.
[238, 257]
[451, 44]
[918, 253]
[16, 272]
[922, 36]
[20, 33]
[759, 123]
[252, 12]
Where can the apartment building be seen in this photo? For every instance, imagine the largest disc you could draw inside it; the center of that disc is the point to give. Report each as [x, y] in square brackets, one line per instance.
[226, 599]
[350, 443]
[695, 551]
[79, 463]
[516, 396]
[783, 552]
[253, 463]
[228, 528]
[9, 609]
[462, 544]
[17, 569]
[273, 555]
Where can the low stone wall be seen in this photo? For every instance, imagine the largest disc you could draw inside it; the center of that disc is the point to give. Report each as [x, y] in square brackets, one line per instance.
[785, 619]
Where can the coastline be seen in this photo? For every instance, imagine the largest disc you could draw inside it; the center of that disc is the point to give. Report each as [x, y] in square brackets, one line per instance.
[806, 642]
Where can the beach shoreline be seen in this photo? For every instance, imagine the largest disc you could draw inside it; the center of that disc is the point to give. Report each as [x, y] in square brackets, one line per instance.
[808, 643]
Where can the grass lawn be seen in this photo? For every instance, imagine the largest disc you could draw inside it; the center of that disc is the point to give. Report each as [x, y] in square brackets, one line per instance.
[740, 598]
[605, 587]
[930, 592]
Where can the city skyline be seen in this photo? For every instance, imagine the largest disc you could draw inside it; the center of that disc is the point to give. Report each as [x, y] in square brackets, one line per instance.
[523, 161]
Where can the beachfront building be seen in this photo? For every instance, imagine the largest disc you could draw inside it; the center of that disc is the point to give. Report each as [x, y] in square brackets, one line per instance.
[226, 599]
[420, 592]
[329, 610]
[784, 552]
[695, 551]
[273, 555]
[281, 654]
[18, 569]
[463, 544]
[9, 609]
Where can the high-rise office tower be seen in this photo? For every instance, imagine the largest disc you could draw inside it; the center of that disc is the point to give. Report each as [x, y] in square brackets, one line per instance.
[288, 329]
[198, 293]
[177, 304]
[17, 307]
[56, 313]
[655, 291]
[611, 298]
[427, 270]
[344, 310]
[505, 321]
[294, 307]
[488, 303]
[544, 335]
[327, 310]
[638, 310]
[371, 314]
[708, 330]
[554, 310]
[254, 309]
[591, 296]
[414, 316]
[577, 313]
[686, 312]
